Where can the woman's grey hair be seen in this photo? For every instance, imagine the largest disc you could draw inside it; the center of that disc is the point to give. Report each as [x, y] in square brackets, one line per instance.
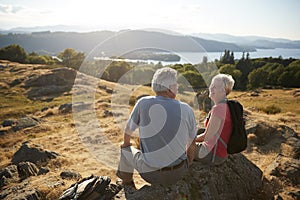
[227, 80]
[163, 78]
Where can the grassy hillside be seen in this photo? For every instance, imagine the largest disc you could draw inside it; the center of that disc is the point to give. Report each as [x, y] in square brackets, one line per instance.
[57, 131]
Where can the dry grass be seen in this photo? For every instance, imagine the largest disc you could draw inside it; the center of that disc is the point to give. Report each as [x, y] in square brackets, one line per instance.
[283, 99]
[57, 132]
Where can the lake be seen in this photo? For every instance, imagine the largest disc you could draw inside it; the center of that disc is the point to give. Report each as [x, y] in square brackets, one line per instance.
[196, 57]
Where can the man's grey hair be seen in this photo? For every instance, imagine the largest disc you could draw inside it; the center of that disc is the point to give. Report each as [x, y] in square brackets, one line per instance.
[227, 80]
[163, 78]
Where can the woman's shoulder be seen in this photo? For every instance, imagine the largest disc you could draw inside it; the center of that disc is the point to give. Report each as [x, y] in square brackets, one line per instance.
[219, 109]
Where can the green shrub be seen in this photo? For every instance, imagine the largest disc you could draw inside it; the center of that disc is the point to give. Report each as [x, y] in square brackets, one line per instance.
[271, 109]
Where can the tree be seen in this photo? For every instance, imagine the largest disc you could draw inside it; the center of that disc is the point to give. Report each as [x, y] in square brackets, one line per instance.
[116, 70]
[235, 73]
[274, 71]
[13, 53]
[71, 58]
[291, 75]
[228, 57]
[257, 78]
[194, 79]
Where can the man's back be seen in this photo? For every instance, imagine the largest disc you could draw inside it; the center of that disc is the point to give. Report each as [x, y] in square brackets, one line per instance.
[165, 127]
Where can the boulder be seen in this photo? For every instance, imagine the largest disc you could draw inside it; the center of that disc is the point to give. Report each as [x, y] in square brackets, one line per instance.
[50, 85]
[237, 178]
[58, 77]
[8, 122]
[8, 175]
[21, 193]
[24, 122]
[33, 153]
[43, 170]
[27, 169]
[65, 108]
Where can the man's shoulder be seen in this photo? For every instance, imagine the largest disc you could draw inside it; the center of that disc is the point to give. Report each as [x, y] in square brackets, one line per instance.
[185, 106]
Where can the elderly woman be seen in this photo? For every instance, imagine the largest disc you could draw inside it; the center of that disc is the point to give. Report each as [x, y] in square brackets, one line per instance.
[210, 148]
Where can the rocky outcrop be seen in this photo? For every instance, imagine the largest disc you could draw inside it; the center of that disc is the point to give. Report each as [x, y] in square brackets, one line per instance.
[237, 178]
[33, 153]
[21, 192]
[50, 85]
[285, 168]
[17, 173]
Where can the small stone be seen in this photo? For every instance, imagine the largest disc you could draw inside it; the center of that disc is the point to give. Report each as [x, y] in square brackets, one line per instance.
[70, 175]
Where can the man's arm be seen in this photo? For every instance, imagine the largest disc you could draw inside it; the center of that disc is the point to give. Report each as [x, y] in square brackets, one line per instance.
[190, 152]
[126, 139]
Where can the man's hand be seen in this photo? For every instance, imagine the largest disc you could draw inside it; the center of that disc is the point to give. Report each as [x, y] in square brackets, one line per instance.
[124, 145]
[200, 138]
[126, 141]
[190, 152]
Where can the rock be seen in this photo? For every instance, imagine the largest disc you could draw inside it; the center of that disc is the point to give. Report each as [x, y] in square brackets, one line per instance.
[285, 168]
[24, 122]
[109, 90]
[47, 92]
[250, 127]
[43, 170]
[92, 187]
[53, 84]
[8, 122]
[65, 108]
[81, 106]
[5, 130]
[295, 194]
[44, 109]
[237, 178]
[27, 169]
[70, 175]
[16, 82]
[8, 175]
[107, 113]
[103, 87]
[264, 133]
[21, 193]
[59, 77]
[34, 154]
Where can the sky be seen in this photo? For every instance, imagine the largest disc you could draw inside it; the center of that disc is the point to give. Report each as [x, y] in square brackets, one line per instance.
[269, 18]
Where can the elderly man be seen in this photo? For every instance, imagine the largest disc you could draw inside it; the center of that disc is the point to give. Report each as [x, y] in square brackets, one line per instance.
[166, 127]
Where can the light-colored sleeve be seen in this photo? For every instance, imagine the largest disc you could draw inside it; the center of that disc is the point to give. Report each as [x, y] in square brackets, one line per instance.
[134, 119]
[192, 126]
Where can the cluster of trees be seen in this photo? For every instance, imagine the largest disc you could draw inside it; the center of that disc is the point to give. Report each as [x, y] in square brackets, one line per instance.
[248, 73]
[261, 72]
[15, 53]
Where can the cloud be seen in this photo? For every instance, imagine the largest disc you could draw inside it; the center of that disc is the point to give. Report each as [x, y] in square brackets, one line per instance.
[10, 9]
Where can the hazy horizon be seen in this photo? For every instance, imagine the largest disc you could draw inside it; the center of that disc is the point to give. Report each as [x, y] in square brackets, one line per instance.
[268, 18]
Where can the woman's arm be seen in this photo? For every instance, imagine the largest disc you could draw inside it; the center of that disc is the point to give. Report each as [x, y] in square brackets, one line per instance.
[213, 127]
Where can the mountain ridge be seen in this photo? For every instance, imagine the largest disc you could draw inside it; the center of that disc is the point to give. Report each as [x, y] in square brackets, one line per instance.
[54, 39]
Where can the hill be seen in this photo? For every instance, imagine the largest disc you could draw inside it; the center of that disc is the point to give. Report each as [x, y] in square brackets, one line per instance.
[252, 41]
[39, 107]
[115, 43]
